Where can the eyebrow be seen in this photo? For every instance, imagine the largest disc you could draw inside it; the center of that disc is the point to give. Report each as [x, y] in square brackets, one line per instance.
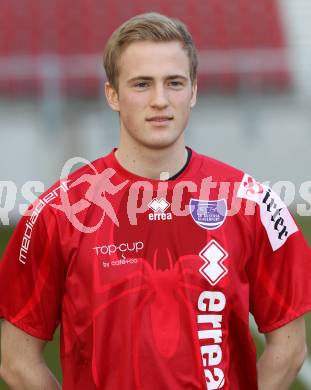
[148, 78]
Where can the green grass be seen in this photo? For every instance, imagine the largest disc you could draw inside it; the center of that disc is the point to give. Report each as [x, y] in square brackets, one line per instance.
[52, 349]
[5, 234]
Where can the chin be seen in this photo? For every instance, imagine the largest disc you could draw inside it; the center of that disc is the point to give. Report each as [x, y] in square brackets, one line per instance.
[163, 143]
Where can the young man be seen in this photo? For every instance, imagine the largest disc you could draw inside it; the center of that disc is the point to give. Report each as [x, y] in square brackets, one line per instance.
[139, 258]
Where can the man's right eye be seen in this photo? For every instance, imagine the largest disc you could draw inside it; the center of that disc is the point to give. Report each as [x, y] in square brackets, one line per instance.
[141, 84]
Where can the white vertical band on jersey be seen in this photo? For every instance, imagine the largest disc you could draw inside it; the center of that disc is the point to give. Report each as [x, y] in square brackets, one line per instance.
[274, 214]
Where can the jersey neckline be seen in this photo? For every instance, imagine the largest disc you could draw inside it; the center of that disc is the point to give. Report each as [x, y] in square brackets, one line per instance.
[187, 171]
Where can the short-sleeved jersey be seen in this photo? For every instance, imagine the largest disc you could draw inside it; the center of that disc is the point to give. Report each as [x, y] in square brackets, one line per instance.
[153, 281]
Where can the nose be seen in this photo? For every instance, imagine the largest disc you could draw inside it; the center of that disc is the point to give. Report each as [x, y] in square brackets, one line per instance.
[158, 97]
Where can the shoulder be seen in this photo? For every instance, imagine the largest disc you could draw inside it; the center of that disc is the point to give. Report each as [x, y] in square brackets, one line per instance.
[70, 187]
[219, 170]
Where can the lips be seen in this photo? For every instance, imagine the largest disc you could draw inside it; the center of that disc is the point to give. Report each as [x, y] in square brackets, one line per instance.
[159, 118]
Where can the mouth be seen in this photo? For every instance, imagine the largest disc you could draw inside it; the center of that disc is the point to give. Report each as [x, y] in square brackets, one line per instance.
[159, 119]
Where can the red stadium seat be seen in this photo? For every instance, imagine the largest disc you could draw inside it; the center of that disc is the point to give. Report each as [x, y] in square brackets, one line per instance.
[64, 28]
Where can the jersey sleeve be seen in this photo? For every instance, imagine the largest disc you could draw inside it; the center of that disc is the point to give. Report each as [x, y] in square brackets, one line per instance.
[32, 274]
[280, 282]
[279, 270]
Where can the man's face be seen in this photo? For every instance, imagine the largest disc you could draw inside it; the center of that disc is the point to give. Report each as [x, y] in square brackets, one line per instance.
[155, 94]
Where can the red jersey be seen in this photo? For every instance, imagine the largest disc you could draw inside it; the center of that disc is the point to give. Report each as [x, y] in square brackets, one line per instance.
[153, 281]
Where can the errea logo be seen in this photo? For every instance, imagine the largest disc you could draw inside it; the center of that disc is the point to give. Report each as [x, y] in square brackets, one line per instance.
[159, 206]
[213, 255]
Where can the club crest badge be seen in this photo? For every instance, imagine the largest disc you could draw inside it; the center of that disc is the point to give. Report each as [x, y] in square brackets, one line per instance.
[209, 214]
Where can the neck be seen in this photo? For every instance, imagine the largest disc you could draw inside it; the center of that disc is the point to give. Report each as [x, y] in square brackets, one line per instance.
[161, 163]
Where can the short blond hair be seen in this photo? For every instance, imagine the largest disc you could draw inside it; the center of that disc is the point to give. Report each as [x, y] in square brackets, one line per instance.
[153, 27]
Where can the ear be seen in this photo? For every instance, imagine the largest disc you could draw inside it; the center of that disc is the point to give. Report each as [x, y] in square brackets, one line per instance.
[194, 94]
[112, 97]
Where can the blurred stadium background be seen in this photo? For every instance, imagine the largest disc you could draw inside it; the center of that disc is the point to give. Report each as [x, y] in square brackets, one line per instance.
[253, 109]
